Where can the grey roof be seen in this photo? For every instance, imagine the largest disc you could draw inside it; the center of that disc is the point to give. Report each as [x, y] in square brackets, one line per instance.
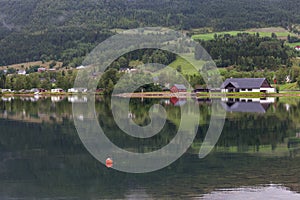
[252, 107]
[180, 86]
[180, 102]
[246, 83]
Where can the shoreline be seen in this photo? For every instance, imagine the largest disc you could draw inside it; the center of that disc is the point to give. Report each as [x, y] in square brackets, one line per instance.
[163, 95]
[206, 95]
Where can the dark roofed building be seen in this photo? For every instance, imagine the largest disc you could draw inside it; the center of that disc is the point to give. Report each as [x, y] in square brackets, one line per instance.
[199, 88]
[247, 85]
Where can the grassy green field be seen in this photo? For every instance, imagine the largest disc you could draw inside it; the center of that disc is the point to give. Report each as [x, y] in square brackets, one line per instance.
[289, 86]
[187, 67]
[210, 36]
[293, 44]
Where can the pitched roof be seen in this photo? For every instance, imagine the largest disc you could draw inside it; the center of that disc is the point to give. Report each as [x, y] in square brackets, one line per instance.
[180, 86]
[251, 107]
[244, 82]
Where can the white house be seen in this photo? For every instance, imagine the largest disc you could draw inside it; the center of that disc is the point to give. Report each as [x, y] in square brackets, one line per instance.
[128, 70]
[247, 85]
[21, 72]
[6, 90]
[57, 90]
[77, 90]
[80, 67]
[297, 48]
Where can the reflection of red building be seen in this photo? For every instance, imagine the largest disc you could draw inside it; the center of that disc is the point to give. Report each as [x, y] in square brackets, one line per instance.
[177, 102]
[178, 88]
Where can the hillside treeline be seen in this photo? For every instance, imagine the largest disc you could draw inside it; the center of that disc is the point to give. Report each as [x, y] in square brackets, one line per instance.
[65, 30]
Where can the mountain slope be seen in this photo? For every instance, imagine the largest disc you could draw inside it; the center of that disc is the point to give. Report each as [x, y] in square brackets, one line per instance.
[66, 29]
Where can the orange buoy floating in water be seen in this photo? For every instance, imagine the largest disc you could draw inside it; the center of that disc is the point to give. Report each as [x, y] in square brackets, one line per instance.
[109, 163]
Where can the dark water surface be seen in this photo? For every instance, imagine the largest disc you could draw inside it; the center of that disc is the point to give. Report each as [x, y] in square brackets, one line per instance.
[256, 157]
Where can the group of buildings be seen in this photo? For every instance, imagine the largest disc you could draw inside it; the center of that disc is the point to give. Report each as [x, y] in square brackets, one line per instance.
[234, 85]
[42, 90]
[229, 85]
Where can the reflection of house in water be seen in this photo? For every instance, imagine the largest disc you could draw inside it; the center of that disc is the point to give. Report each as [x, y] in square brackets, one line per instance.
[138, 194]
[24, 116]
[34, 98]
[260, 100]
[77, 99]
[57, 98]
[254, 105]
[203, 100]
[178, 101]
[131, 115]
[287, 107]
[165, 102]
[8, 99]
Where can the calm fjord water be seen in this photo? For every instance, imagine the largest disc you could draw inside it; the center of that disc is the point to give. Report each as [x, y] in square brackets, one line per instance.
[42, 157]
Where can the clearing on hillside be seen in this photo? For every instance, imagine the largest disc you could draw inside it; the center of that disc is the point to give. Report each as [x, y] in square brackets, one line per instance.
[263, 32]
[31, 64]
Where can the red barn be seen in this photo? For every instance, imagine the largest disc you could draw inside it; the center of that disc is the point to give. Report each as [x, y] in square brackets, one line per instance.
[178, 88]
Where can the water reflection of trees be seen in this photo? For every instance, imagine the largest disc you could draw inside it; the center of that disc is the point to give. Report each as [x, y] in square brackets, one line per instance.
[241, 130]
[48, 159]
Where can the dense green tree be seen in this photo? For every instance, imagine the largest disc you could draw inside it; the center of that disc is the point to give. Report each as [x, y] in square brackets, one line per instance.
[109, 88]
[247, 51]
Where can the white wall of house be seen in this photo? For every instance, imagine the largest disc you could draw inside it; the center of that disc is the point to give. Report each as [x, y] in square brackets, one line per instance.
[268, 100]
[56, 90]
[243, 90]
[249, 90]
[268, 90]
[258, 100]
[76, 99]
[77, 90]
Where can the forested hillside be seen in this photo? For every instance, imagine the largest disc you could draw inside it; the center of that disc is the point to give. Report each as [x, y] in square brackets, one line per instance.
[66, 30]
[185, 14]
[249, 51]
